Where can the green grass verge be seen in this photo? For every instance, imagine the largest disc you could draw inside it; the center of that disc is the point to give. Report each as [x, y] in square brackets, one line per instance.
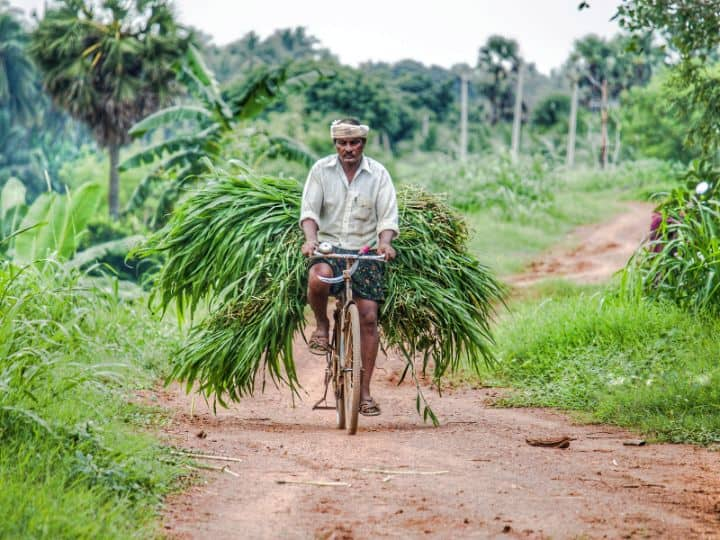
[639, 364]
[74, 462]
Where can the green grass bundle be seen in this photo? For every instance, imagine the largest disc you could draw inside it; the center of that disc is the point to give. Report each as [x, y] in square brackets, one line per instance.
[233, 247]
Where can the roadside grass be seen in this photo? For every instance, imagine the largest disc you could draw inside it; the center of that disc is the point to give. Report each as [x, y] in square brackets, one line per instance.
[74, 462]
[634, 363]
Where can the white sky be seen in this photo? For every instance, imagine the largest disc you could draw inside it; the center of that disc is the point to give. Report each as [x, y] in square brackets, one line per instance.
[433, 32]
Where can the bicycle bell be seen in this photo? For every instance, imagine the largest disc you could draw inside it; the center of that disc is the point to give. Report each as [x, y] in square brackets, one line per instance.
[325, 247]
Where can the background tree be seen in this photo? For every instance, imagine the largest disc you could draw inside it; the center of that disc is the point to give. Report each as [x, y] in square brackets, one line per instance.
[34, 137]
[18, 78]
[354, 93]
[551, 111]
[651, 126]
[109, 65]
[623, 61]
[429, 88]
[233, 60]
[498, 61]
[692, 30]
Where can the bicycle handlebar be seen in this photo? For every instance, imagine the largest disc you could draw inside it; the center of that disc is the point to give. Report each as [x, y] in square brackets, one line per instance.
[352, 256]
[345, 256]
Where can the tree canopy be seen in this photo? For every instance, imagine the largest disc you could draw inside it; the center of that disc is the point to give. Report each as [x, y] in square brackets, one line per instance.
[692, 29]
[109, 65]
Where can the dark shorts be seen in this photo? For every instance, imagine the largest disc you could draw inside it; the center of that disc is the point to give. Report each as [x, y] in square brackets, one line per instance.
[368, 281]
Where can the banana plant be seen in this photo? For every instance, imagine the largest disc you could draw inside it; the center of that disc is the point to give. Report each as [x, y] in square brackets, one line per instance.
[12, 207]
[211, 120]
[53, 224]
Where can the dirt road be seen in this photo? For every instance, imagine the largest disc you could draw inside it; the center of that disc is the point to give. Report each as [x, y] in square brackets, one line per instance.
[592, 253]
[482, 480]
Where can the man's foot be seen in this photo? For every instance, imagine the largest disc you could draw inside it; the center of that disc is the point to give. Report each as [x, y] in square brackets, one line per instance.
[319, 342]
[369, 407]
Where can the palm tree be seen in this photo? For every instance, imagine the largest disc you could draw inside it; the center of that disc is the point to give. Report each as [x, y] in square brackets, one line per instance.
[498, 59]
[18, 78]
[109, 64]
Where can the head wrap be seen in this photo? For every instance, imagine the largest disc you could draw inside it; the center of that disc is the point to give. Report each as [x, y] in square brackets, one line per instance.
[338, 130]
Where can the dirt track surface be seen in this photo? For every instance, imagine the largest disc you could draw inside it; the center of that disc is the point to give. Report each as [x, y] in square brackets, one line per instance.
[592, 253]
[491, 483]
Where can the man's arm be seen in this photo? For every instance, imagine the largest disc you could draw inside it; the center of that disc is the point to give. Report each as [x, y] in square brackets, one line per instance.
[310, 205]
[384, 244]
[310, 229]
[387, 213]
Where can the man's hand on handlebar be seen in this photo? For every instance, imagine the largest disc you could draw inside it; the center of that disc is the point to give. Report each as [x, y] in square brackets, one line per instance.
[387, 250]
[309, 247]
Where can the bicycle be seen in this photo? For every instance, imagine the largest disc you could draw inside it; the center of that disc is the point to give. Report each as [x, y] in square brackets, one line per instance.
[343, 358]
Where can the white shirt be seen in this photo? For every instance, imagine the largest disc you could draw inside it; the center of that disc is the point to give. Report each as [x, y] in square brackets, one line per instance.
[351, 214]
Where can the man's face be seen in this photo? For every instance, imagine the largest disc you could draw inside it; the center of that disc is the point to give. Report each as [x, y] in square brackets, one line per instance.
[349, 150]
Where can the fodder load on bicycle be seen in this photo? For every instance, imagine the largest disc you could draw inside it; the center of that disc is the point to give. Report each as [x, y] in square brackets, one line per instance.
[232, 254]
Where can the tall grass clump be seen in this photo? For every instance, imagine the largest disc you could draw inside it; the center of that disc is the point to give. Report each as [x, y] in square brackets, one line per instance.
[641, 364]
[234, 247]
[71, 462]
[681, 261]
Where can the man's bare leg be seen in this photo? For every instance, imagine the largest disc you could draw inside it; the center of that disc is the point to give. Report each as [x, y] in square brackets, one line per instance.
[370, 340]
[317, 294]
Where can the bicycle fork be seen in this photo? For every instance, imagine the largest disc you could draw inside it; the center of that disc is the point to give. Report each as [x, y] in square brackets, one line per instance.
[329, 372]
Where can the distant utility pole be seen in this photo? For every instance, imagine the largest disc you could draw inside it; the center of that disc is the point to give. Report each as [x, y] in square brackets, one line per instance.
[604, 126]
[517, 118]
[463, 116]
[603, 86]
[572, 125]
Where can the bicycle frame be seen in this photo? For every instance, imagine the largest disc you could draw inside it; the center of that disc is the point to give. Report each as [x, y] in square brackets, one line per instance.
[335, 356]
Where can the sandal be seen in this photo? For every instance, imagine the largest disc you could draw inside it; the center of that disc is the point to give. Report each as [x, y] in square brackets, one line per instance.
[369, 407]
[319, 344]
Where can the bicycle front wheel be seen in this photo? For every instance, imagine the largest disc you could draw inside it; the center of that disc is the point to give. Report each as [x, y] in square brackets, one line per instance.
[352, 368]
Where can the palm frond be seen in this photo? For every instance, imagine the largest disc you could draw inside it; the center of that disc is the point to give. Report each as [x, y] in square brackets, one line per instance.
[170, 146]
[169, 117]
[290, 149]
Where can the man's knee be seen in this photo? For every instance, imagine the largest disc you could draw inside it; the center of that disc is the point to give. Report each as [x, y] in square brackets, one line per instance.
[319, 270]
[368, 311]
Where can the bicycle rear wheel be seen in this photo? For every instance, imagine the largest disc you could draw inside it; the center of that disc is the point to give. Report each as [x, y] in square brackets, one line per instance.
[352, 368]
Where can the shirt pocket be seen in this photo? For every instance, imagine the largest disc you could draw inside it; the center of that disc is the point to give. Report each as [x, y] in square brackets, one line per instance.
[363, 208]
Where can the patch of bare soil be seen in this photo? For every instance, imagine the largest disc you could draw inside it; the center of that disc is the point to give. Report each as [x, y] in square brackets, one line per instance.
[591, 254]
[486, 481]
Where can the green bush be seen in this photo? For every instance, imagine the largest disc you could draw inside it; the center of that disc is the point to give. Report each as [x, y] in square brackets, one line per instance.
[634, 363]
[682, 263]
[71, 464]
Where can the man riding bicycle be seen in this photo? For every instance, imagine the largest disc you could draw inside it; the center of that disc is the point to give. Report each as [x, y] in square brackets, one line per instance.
[349, 201]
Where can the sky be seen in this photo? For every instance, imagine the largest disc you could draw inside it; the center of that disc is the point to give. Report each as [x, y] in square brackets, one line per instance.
[443, 32]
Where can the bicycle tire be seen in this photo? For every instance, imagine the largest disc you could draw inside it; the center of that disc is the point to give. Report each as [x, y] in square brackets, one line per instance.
[334, 361]
[337, 379]
[352, 368]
